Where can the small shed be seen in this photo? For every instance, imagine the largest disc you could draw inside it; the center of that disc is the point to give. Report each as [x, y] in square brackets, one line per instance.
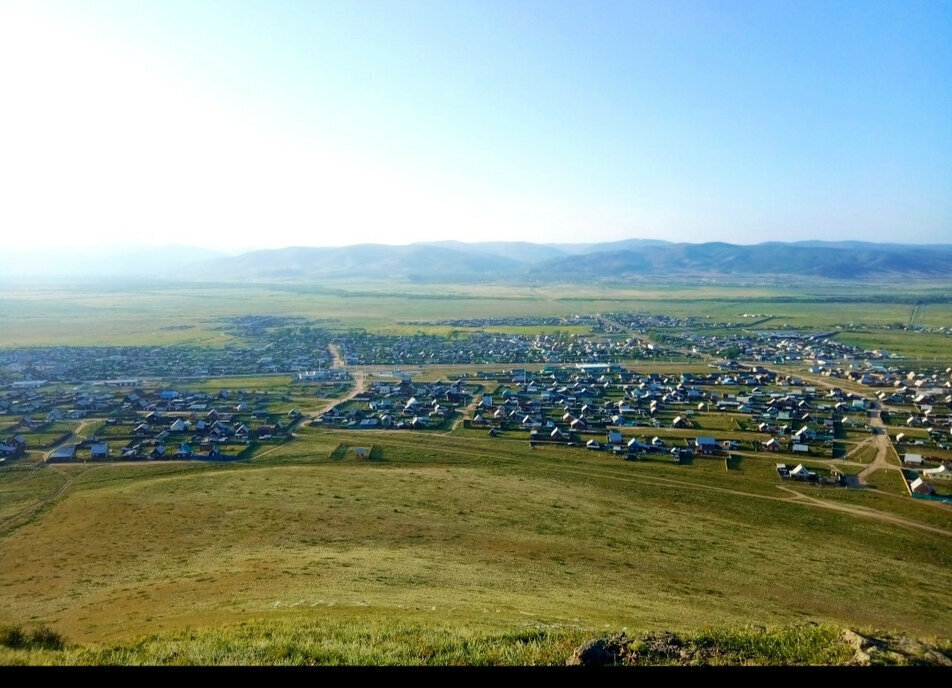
[64, 453]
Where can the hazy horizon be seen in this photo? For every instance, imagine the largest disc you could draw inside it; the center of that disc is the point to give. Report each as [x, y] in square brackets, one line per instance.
[507, 260]
[254, 125]
[119, 247]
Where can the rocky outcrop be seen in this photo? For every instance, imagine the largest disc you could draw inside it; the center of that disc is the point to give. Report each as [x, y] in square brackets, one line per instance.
[893, 650]
[807, 644]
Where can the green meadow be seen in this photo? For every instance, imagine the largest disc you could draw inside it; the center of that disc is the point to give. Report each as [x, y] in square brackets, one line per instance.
[122, 313]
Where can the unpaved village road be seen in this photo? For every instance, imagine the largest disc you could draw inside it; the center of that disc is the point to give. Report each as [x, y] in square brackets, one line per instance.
[339, 362]
[883, 447]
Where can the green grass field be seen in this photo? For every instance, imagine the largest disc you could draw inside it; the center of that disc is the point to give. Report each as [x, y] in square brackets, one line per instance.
[161, 314]
[888, 481]
[864, 454]
[922, 346]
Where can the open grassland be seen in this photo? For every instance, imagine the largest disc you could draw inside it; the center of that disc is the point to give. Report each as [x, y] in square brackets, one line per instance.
[22, 485]
[123, 313]
[487, 537]
[919, 346]
[102, 315]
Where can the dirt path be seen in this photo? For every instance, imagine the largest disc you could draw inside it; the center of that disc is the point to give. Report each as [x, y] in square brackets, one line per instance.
[77, 434]
[861, 511]
[883, 447]
[83, 424]
[829, 463]
[267, 451]
[55, 494]
[463, 414]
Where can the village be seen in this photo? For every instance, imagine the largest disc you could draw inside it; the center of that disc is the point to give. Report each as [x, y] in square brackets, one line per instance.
[791, 393]
[268, 345]
[732, 410]
[113, 423]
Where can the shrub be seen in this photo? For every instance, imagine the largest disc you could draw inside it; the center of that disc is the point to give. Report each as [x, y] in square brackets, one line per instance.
[13, 637]
[42, 638]
[46, 638]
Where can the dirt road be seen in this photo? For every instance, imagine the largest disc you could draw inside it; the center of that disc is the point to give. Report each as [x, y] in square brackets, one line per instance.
[883, 447]
[338, 363]
[360, 385]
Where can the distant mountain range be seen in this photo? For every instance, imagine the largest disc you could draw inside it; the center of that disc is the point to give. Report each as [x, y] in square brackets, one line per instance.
[636, 259]
[510, 262]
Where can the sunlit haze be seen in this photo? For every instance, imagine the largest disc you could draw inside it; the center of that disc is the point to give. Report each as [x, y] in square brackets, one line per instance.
[239, 124]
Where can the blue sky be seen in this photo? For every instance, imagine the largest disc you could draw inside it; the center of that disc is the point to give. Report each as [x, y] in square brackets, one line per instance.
[266, 124]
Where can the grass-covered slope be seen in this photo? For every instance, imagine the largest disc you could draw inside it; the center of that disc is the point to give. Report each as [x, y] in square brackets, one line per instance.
[472, 534]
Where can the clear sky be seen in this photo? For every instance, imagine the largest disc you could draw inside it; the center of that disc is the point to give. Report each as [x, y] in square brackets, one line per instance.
[267, 124]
